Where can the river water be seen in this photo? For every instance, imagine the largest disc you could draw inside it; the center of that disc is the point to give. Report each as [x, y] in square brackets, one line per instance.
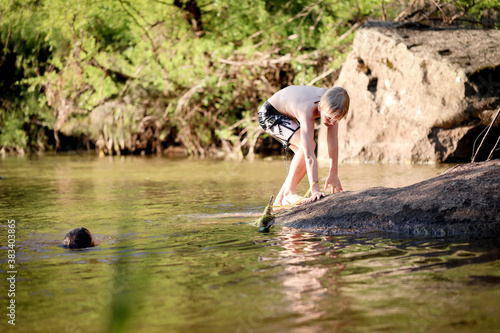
[177, 254]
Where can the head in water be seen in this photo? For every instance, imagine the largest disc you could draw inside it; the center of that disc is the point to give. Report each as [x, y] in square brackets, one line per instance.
[79, 238]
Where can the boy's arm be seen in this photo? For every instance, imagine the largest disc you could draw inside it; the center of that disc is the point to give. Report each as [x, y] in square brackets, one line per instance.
[333, 156]
[307, 142]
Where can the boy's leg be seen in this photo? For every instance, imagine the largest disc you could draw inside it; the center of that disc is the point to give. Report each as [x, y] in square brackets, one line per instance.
[287, 187]
[288, 192]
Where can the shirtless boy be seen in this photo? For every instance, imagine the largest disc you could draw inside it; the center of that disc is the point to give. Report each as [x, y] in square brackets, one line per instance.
[289, 117]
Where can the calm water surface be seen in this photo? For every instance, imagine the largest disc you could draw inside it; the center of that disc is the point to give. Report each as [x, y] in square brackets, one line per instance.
[177, 254]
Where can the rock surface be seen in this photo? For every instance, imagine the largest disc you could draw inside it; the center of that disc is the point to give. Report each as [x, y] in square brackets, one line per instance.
[462, 201]
[418, 94]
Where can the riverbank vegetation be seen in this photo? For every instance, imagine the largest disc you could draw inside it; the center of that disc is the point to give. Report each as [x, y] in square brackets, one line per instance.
[133, 76]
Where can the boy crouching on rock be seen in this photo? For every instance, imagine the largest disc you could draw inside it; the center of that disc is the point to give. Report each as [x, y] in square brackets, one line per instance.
[289, 117]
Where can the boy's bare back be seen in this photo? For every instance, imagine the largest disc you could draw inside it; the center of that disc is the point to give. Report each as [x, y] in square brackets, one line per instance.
[297, 102]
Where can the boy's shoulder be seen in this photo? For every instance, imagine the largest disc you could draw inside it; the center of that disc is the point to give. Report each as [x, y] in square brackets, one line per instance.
[299, 94]
[298, 89]
[298, 102]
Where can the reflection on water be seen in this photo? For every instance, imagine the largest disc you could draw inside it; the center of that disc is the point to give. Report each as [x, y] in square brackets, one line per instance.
[177, 255]
[301, 279]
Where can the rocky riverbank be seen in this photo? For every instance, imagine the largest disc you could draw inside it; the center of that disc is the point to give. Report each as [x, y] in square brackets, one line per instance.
[418, 93]
[462, 201]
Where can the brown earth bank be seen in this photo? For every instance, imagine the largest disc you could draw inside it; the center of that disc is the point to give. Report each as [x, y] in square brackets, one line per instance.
[463, 201]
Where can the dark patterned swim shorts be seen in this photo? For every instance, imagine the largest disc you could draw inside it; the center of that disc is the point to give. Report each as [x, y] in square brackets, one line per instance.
[278, 125]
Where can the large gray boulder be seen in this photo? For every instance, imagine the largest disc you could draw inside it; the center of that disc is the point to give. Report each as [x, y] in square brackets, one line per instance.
[418, 94]
[462, 201]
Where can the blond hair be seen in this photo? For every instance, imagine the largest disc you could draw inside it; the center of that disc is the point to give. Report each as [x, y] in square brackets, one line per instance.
[335, 101]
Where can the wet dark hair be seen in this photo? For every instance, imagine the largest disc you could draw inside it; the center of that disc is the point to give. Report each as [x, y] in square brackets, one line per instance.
[78, 238]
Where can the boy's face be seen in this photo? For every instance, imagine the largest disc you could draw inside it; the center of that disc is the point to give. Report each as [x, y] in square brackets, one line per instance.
[329, 119]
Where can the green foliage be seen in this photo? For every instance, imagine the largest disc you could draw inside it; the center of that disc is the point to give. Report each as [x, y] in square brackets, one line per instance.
[134, 75]
[12, 131]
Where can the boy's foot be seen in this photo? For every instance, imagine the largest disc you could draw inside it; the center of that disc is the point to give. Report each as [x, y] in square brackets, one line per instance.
[278, 209]
[293, 199]
[278, 206]
[287, 202]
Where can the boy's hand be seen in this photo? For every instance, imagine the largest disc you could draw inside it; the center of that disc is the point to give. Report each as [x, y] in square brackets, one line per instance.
[334, 182]
[316, 195]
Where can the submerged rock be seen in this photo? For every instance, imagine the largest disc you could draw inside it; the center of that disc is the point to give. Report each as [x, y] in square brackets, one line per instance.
[462, 201]
[418, 94]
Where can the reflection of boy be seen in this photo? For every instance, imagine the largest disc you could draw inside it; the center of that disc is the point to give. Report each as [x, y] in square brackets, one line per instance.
[289, 117]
